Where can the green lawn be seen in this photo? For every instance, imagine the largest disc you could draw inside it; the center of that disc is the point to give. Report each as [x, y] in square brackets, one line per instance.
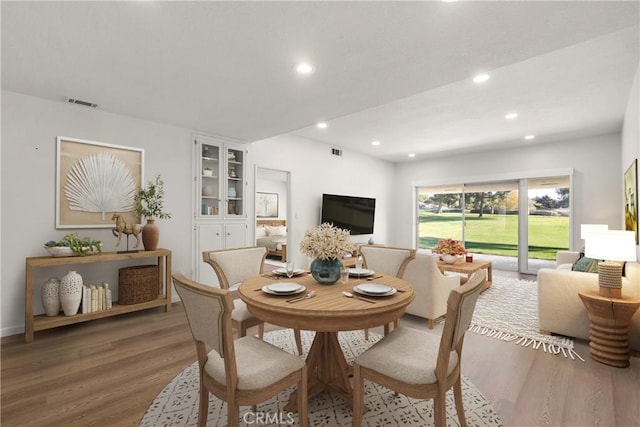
[496, 234]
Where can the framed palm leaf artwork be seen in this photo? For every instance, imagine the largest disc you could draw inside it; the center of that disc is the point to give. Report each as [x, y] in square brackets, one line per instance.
[94, 180]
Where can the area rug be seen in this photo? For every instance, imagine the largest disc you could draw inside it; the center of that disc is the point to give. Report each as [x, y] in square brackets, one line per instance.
[177, 403]
[508, 311]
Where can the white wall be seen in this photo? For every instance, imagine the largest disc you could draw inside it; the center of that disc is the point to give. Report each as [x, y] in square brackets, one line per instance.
[29, 129]
[631, 130]
[314, 170]
[596, 178]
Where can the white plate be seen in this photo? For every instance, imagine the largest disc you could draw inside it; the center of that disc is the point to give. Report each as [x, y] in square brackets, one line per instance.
[374, 290]
[360, 272]
[284, 288]
[283, 271]
[266, 290]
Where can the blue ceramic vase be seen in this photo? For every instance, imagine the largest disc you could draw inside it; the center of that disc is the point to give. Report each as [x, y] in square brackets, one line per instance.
[326, 271]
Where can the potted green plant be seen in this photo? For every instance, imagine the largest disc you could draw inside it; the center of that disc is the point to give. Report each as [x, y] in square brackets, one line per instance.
[149, 203]
[71, 244]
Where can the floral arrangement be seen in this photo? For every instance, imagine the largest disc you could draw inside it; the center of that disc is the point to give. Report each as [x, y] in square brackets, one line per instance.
[449, 247]
[149, 201]
[326, 242]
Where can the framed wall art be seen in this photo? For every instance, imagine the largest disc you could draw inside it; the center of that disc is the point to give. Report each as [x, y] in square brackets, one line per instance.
[267, 205]
[631, 198]
[94, 180]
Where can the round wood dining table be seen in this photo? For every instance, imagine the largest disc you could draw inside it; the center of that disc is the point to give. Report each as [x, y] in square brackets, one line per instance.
[327, 313]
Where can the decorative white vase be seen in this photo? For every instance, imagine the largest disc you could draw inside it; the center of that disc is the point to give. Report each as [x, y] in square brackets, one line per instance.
[71, 293]
[50, 296]
[449, 259]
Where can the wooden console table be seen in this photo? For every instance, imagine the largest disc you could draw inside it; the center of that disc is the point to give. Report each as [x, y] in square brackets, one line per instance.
[609, 330]
[41, 322]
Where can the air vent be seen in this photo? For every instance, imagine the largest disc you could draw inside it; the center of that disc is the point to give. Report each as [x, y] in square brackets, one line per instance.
[336, 152]
[81, 102]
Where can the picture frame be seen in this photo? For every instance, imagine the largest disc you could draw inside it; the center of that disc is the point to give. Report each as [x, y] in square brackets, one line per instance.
[266, 205]
[631, 198]
[84, 172]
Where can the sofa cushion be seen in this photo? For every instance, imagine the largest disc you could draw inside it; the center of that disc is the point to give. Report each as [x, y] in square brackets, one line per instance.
[586, 265]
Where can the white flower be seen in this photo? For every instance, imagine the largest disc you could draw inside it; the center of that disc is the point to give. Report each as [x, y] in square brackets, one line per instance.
[326, 241]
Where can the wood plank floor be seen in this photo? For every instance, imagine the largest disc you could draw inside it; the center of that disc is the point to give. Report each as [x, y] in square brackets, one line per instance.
[107, 372]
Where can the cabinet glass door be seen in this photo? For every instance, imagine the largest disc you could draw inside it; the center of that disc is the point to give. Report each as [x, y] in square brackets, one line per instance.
[210, 180]
[235, 182]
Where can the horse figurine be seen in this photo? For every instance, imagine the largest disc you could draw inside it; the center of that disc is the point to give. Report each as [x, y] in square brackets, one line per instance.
[127, 229]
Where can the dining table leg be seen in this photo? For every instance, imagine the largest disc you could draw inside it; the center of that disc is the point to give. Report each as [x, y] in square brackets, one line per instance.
[327, 369]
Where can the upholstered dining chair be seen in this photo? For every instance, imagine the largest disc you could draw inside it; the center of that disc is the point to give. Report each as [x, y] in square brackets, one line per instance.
[430, 287]
[241, 372]
[232, 267]
[419, 364]
[386, 260]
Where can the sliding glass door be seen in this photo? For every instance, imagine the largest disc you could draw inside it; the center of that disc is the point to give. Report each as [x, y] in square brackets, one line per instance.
[439, 214]
[548, 222]
[493, 221]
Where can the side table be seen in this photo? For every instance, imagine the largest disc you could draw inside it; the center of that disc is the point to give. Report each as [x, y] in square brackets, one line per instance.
[609, 329]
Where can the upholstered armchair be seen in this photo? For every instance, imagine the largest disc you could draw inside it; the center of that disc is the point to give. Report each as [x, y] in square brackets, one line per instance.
[430, 286]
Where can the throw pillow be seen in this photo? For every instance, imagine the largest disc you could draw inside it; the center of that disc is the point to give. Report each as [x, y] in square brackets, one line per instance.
[587, 265]
[279, 230]
[261, 231]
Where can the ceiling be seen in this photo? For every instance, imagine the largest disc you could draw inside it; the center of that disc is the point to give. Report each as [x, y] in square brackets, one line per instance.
[396, 72]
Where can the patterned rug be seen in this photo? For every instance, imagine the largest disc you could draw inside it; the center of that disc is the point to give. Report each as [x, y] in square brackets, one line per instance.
[508, 311]
[177, 403]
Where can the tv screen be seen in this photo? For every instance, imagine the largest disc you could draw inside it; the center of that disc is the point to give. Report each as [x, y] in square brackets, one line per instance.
[355, 214]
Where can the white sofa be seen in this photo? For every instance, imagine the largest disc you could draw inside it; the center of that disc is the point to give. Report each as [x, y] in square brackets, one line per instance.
[561, 310]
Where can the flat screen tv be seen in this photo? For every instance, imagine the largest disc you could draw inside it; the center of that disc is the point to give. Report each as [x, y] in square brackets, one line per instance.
[355, 214]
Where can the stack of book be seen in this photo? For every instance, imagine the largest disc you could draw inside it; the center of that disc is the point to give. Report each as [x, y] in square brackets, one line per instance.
[96, 298]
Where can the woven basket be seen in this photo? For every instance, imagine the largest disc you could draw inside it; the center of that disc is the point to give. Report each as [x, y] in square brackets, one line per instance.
[137, 284]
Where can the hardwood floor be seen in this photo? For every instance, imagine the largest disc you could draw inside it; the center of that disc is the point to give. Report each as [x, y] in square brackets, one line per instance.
[107, 372]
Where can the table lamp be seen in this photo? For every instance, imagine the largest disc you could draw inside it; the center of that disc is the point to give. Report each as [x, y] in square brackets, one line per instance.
[614, 247]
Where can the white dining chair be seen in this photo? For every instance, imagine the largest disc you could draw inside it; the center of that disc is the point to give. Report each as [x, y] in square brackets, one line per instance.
[232, 267]
[419, 364]
[386, 260]
[242, 372]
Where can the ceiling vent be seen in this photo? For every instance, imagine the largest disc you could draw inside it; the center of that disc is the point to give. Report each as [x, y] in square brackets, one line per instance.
[336, 152]
[81, 102]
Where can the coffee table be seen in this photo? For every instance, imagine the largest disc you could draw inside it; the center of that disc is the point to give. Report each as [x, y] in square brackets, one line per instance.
[468, 268]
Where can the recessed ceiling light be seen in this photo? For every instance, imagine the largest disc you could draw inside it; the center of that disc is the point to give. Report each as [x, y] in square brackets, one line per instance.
[321, 125]
[305, 68]
[529, 137]
[375, 142]
[481, 78]
[511, 116]
[412, 154]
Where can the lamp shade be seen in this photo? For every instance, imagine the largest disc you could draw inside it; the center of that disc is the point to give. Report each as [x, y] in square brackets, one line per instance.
[611, 245]
[589, 228]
